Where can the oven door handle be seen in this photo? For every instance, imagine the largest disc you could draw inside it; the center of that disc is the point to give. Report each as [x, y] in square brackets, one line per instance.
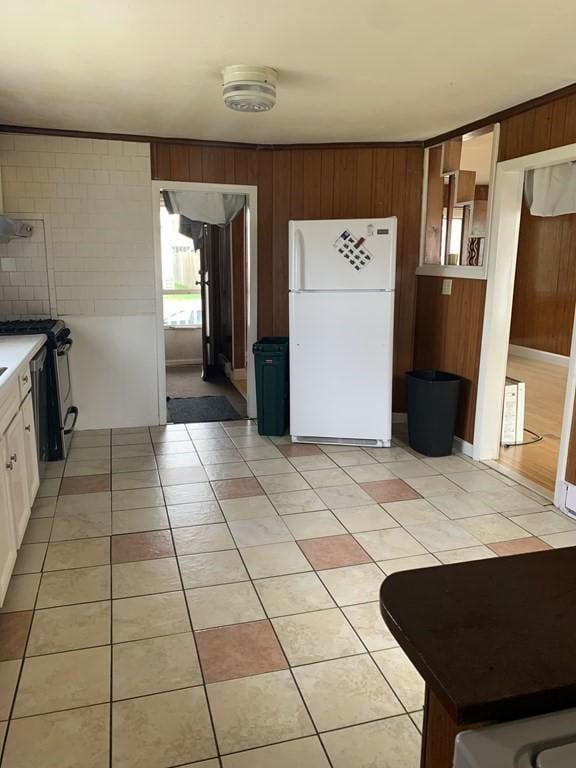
[63, 348]
[74, 411]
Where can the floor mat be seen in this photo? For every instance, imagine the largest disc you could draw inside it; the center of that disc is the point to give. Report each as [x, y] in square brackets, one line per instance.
[187, 410]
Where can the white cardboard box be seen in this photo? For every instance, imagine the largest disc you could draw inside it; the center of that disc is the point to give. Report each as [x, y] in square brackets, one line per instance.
[513, 414]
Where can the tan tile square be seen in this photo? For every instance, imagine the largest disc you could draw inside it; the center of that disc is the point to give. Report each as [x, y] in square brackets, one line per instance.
[368, 622]
[319, 461]
[70, 739]
[509, 500]
[352, 459]
[441, 535]
[414, 468]
[128, 547]
[138, 520]
[86, 454]
[353, 584]
[38, 530]
[87, 467]
[370, 473]
[195, 513]
[77, 554]
[79, 585]
[284, 483]
[275, 560]
[48, 488]
[228, 471]
[292, 502]
[490, 528]
[137, 498]
[128, 481]
[390, 543]
[189, 492]
[465, 555]
[221, 457]
[390, 490]
[311, 525]
[130, 438]
[363, 745]
[212, 568]
[247, 507]
[518, 546]
[541, 523]
[477, 480]
[369, 518]
[403, 677]
[132, 451]
[13, 634]
[158, 664]
[250, 441]
[63, 681]
[460, 505]
[162, 730]
[344, 692]
[133, 464]
[183, 475]
[21, 593]
[213, 443]
[9, 673]
[44, 507]
[262, 530]
[239, 650]
[136, 618]
[344, 496]
[145, 577]
[83, 503]
[559, 540]
[271, 467]
[67, 628]
[295, 450]
[30, 558]
[413, 511]
[296, 593]
[435, 485]
[334, 551]
[307, 753]
[202, 538]
[326, 478]
[448, 464]
[234, 489]
[241, 711]
[407, 563]
[85, 484]
[222, 605]
[316, 636]
[260, 452]
[81, 525]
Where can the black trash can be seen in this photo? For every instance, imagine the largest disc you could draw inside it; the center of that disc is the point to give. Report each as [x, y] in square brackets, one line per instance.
[271, 369]
[432, 409]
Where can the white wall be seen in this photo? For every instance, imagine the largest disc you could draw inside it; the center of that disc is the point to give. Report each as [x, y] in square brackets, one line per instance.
[183, 345]
[92, 199]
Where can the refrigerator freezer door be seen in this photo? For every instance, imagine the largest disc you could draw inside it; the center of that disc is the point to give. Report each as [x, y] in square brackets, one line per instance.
[341, 366]
[335, 255]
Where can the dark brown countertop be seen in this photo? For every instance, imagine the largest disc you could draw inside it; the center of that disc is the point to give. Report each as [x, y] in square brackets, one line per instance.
[494, 639]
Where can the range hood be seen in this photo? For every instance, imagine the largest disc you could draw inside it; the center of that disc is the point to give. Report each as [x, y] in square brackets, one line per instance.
[9, 228]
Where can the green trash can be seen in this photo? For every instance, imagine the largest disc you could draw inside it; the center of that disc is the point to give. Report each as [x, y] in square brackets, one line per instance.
[271, 369]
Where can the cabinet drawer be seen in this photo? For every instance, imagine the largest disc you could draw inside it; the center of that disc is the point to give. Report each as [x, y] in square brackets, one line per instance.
[9, 404]
[24, 381]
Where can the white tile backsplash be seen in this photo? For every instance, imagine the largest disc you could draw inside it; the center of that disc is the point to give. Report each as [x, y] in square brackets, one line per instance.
[94, 197]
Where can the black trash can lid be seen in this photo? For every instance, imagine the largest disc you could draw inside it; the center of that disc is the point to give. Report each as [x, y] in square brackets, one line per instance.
[433, 376]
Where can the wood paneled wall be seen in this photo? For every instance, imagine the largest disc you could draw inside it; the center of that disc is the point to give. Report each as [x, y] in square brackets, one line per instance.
[316, 183]
[551, 125]
[448, 337]
[545, 286]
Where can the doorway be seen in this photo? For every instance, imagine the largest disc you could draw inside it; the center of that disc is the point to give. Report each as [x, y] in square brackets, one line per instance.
[206, 311]
[496, 361]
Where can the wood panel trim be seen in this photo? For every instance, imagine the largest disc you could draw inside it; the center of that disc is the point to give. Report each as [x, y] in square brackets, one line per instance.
[504, 114]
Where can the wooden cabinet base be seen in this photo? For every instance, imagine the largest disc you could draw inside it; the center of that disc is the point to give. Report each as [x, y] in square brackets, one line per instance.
[438, 733]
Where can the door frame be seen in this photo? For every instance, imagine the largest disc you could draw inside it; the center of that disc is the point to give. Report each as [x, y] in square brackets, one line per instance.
[502, 255]
[251, 283]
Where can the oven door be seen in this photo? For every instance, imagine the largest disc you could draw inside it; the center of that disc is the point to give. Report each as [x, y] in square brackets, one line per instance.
[68, 411]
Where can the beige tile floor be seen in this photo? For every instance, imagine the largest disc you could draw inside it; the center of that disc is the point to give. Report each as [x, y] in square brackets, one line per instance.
[204, 596]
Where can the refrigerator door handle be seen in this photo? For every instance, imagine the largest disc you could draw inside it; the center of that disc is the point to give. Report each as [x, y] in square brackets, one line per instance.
[298, 261]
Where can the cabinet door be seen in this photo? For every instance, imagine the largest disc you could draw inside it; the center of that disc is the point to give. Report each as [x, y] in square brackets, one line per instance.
[7, 535]
[31, 448]
[17, 479]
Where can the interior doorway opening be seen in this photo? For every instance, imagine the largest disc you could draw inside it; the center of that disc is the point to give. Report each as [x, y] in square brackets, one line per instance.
[206, 314]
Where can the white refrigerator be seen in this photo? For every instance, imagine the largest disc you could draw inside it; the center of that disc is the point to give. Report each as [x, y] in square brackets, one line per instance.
[341, 279]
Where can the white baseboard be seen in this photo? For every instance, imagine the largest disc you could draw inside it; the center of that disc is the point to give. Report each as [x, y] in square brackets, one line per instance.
[399, 418]
[462, 446]
[539, 355]
[186, 361]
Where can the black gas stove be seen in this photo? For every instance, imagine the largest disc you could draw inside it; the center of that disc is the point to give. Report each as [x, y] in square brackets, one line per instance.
[54, 412]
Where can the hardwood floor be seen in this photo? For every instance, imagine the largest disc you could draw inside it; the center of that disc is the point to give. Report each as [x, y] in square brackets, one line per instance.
[545, 390]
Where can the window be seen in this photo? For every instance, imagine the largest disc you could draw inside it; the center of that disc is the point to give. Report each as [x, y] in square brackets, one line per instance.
[180, 272]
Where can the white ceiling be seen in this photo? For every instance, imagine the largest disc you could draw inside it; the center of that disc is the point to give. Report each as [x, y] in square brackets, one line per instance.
[350, 70]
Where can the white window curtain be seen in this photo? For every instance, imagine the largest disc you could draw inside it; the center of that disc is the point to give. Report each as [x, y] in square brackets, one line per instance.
[205, 207]
[551, 191]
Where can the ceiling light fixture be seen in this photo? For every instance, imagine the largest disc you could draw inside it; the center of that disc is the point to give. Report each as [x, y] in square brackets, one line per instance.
[247, 88]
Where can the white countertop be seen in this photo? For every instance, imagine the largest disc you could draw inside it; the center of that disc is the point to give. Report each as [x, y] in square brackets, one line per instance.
[15, 350]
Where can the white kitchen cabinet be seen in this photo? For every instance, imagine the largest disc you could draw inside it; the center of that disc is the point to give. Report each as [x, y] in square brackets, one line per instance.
[15, 464]
[8, 547]
[31, 448]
